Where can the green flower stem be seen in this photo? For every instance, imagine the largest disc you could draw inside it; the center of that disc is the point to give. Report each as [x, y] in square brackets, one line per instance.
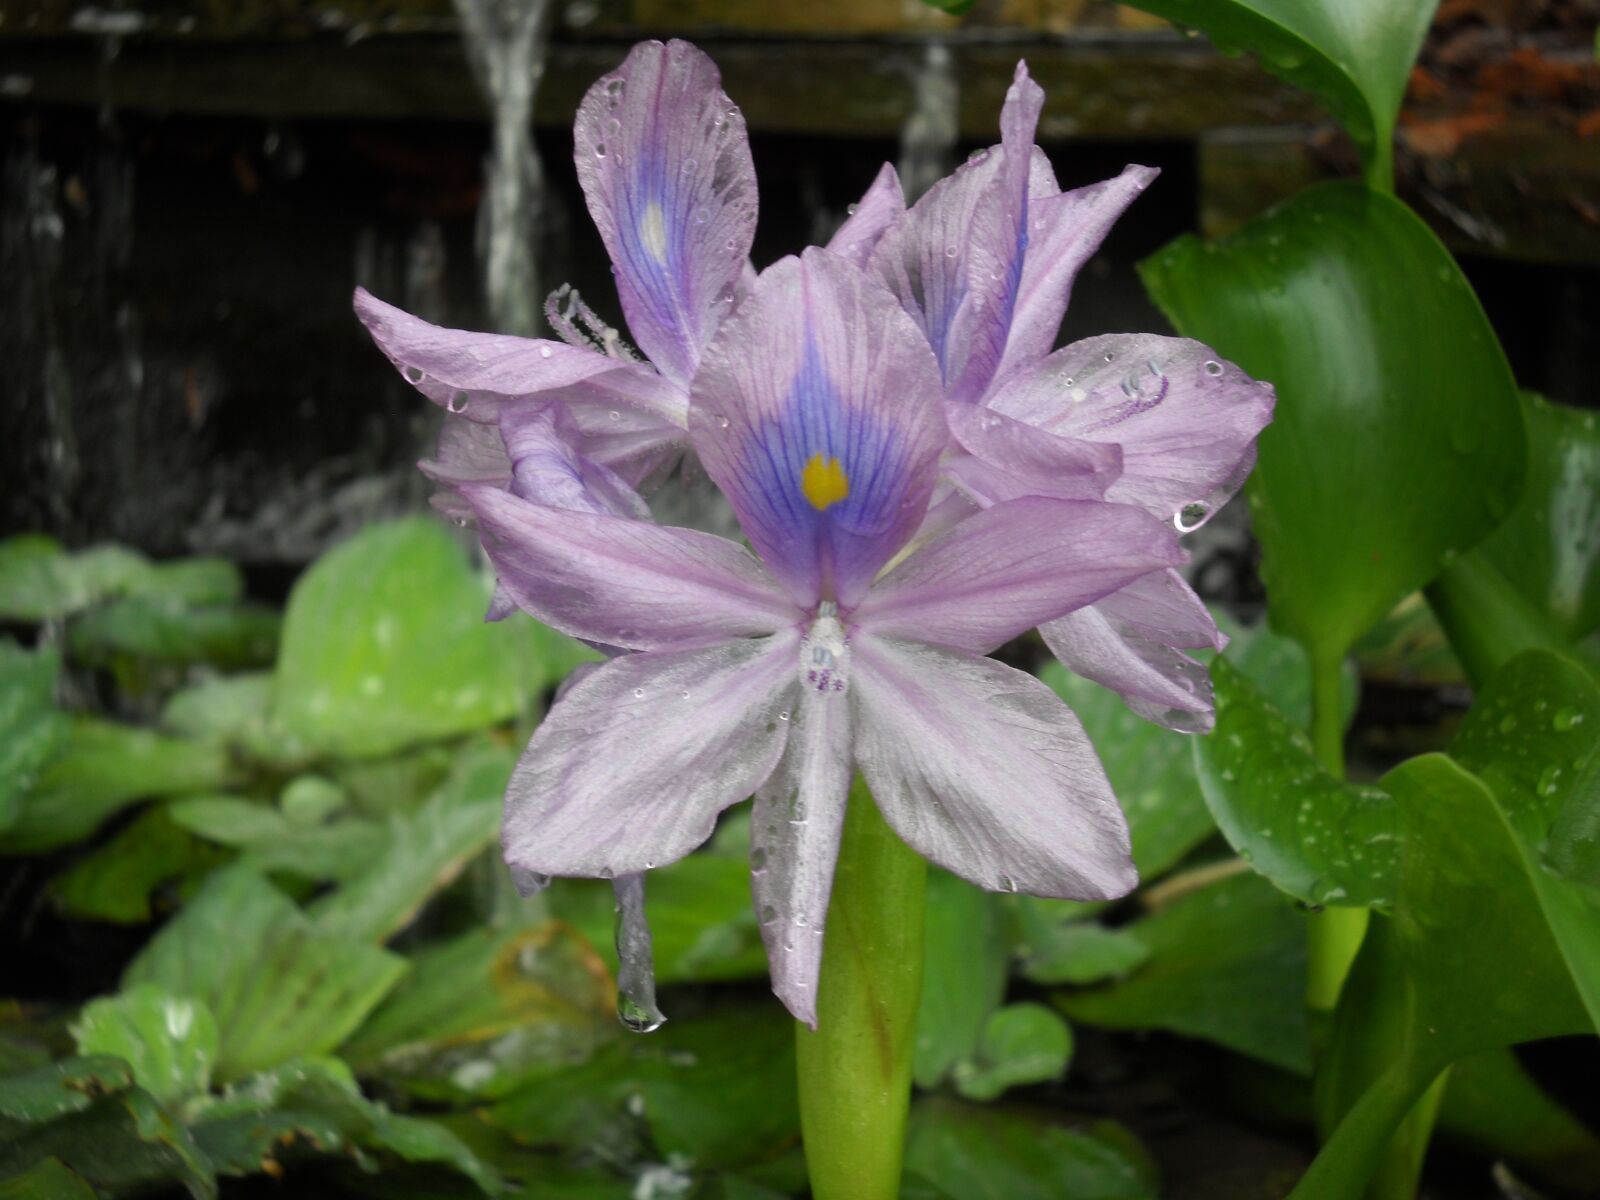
[855, 1069]
[1335, 933]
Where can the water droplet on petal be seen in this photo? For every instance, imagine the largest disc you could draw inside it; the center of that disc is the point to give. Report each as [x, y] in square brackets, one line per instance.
[1212, 368]
[722, 422]
[758, 858]
[850, 209]
[458, 402]
[599, 149]
[949, 251]
[1111, 356]
[783, 716]
[638, 693]
[545, 352]
[614, 415]
[1190, 517]
[414, 374]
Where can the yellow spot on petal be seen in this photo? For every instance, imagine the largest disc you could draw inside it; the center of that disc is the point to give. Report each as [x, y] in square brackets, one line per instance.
[824, 482]
[653, 233]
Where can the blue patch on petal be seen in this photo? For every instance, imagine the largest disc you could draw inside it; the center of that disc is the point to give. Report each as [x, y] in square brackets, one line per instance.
[831, 483]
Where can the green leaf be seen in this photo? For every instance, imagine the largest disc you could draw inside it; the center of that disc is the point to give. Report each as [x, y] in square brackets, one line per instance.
[57, 1089]
[1549, 547]
[101, 768]
[425, 850]
[1149, 769]
[1319, 839]
[1082, 952]
[1353, 55]
[315, 1102]
[116, 881]
[385, 645]
[229, 707]
[276, 986]
[1534, 738]
[718, 1087]
[480, 1014]
[1227, 964]
[963, 974]
[1494, 1106]
[1020, 1044]
[121, 1142]
[166, 630]
[169, 1041]
[31, 729]
[39, 581]
[50, 1179]
[978, 1153]
[1469, 962]
[1397, 441]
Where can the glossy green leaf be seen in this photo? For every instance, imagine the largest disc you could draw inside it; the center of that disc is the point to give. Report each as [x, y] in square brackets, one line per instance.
[169, 1041]
[277, 987]
[1494, 1106]
[1534, 738]
[314, 1102]
[1227, 964]
[424, 851]
[102, 767]
[717, 1086]
[50, 1179]
[1397, 442]
[480, 1014]
[1549, 547]
[1467, 963]
[31, 729]
[385, 645]
[117, 880]
[979, 1153]
[40, 581]
[963, 974]
[1020, 1044]
[1353, 55]
[268, 842]
[1321, 840]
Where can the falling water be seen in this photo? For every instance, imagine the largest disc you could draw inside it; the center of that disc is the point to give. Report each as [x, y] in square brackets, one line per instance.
[506, 42]
[636, 975]
[928, 138]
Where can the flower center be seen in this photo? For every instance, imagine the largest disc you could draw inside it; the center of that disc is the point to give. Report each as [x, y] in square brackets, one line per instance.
[825, 654]
[824, 481]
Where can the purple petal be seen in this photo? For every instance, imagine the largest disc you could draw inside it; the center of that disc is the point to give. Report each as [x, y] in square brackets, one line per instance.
[1065, 231]
[545, 469]
[1187, 420]
[1009, 568]
[1008, 459]
[631, 768]
[467, 453]
[472, 374]
[1130, 642]
[665, 166]
[798, 815]
[625, 583]
[881, 206]
[981, 769]
[816, 411]
[955, 261]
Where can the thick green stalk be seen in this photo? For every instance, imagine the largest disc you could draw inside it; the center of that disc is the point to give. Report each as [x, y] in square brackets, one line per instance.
[1335, 933]
[1486, 619]
[855, 1069]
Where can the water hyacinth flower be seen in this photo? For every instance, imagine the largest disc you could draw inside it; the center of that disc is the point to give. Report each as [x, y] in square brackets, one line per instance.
[816, 409]
[664, 162]
[984, 263]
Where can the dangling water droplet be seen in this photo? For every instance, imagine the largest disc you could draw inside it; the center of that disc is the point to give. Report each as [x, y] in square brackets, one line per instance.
[1007, 884]
[414, 374]
[460, 522]
[545, 352]
[1190, 517]
[614, 89]
[458, 402]
[977, 156]
[850, 209]
[1212, 368]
